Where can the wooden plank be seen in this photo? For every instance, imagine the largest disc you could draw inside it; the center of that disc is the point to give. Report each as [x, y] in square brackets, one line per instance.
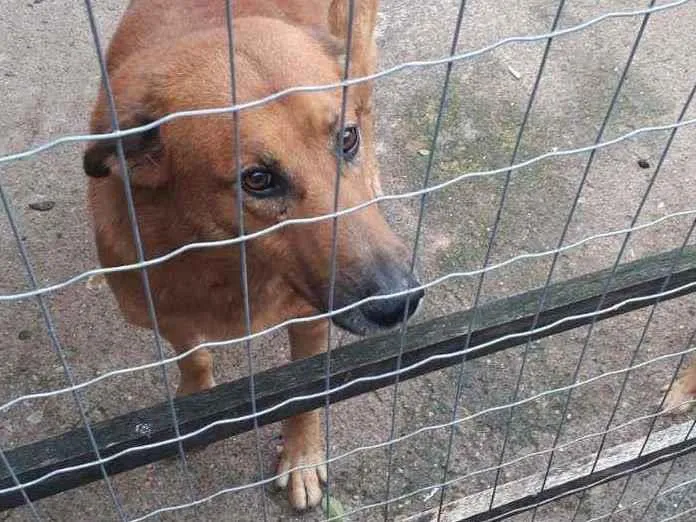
[369, 357]
[524, 494]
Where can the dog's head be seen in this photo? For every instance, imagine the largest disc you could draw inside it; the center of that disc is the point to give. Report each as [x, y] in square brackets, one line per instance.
[288, 159]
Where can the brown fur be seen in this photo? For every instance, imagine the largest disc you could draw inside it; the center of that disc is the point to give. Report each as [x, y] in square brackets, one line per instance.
[682, 394]
[168, 56]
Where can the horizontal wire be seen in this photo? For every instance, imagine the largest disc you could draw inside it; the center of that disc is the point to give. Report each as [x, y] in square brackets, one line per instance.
[404, 369]
[343, 212]
[346, 211]
[679, 515]
[297, 320]
[370, 447]
[336, 85]
[637, 503]
[585, 487]
[499, 517]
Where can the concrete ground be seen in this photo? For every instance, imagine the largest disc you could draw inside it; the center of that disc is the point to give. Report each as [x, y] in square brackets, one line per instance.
[48, 77]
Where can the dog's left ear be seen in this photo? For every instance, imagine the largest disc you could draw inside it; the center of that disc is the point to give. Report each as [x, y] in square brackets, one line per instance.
[143, 153]
[136, 106]
[101, 154]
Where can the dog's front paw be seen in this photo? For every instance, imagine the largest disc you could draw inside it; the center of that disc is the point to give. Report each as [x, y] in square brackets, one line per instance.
[304, 485]
[680, 397]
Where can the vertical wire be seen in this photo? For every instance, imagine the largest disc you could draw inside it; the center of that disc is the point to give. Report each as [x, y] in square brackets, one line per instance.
[34, 512]
[527, 347]
[229, 14]
[683, 497]
[683, 513]
[564, 233]
[689, 342]
[630, 364]
[687, 492]
[58, 348]
[663, 286]
[414, 254]
[686, 437]
[667, 474]
[693, 335]
[653, 309]
[619, 256]
[652, 500]
[334, 241]
[673, 462]
[137, 240]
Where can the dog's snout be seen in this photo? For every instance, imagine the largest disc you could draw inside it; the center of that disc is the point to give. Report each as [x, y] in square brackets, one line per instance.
[391, 311]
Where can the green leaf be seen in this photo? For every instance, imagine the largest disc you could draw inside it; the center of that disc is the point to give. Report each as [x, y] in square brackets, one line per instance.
[332, 508]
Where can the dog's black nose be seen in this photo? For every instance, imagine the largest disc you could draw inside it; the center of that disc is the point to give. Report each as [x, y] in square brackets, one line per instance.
[390, 312]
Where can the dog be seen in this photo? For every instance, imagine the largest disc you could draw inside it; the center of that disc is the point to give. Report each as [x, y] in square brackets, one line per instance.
[680, 396]
[169, 56]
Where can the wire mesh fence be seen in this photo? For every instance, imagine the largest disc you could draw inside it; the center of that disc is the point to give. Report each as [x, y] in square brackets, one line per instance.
[544, 181]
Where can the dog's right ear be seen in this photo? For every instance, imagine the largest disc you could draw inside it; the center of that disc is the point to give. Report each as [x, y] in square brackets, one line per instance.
[142, 152]
[363, 52]
[332, 45]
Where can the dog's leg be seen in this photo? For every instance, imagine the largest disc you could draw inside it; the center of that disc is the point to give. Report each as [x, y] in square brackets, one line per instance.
[302, 439]
[684, 390]
[196, 369]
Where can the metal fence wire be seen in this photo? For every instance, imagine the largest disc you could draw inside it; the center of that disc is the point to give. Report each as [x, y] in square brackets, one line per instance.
[497, 403]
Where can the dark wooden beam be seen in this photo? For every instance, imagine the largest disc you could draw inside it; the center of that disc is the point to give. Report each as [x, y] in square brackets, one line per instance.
[369, 357]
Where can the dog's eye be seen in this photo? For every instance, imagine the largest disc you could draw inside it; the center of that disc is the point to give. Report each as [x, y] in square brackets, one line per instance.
[260, 182]
[350, 142]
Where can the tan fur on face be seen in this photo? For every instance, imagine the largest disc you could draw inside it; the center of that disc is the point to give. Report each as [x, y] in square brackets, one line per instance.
[172, 56]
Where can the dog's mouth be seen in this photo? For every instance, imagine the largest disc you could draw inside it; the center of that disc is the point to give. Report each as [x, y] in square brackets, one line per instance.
[379, 315]
[355, 322]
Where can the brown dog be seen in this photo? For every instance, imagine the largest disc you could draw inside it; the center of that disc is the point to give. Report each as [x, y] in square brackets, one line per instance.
[169, 56]
[683, 392]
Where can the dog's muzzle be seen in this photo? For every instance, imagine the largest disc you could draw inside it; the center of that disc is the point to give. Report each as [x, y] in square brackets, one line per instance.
[380, 313]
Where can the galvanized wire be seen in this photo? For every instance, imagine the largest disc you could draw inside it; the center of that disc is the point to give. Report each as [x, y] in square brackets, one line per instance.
[137, 240]
[346, 82]
[416, 242]
[334, 238]
[405, 369]
[430, 284]
[244, 277]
